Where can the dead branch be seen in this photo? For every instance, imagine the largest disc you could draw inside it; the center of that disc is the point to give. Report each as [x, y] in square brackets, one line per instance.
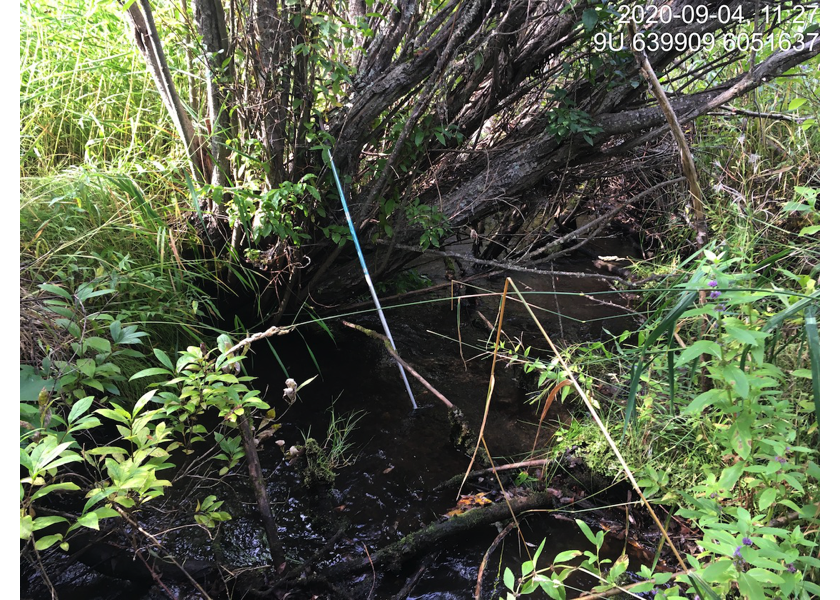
[406, 366]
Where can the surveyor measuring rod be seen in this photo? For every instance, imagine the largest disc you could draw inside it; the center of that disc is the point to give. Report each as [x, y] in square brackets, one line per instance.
[367, 275]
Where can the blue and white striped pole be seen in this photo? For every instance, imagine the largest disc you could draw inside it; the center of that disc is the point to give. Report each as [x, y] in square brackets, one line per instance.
[367, 275]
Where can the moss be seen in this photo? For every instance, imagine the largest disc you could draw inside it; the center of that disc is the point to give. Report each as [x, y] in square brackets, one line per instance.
[463, 437]
[316, 466]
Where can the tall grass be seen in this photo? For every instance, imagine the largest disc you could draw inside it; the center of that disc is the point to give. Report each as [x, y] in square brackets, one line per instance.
[85, 96]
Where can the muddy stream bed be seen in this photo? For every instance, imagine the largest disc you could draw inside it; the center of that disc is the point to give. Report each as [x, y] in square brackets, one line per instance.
[397, 459]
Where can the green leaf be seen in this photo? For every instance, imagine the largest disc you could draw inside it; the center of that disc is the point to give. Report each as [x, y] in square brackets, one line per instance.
[47, 541]
[42, 522]
[25, 527]
[538, 552]
[735, 376]
[149, 372]
[164, 359]
[796, 103]
[767, 498]
[527, 568]
[716, 572]
[556, 593]
[730, 475]
[590, 19]
[98, 343]
[618, 568]
[586, 531]
[106, 512]
[116, 331]
[69, 486]
[566, 556]
[79, 408]
[696, 349]
[701, 587]
[144, 399]
[509, 579]
[741, 438]
[750, 587]
[700, 402]
[742, 334]
[90, 520]
[54, 289]
[87, 366]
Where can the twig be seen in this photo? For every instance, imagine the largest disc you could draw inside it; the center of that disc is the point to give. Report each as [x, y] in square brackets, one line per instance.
[412, 581]
[519, 465]
[158, 545]
[487, 554]
[596, 223]
[513, 266]
[261, 494]
[294, 573]
[427, 290]
[372, 569]
[157, 578]
[761, 115]
[613, 305]
[271, 331]
[43, 573]
[406, 366]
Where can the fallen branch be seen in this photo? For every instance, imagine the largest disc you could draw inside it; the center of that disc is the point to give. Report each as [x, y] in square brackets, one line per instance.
[394, 554]
[412, 581]
[689, 168]
[434, 288]
[406, 366]
[541, 462]
[513, 266]
[415, 543]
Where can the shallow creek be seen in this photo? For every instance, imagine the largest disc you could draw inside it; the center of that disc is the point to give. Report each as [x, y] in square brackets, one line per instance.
[398, 456]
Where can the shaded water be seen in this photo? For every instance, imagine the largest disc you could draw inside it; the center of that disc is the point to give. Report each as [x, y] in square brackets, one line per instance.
[398, 456]
[403, 455]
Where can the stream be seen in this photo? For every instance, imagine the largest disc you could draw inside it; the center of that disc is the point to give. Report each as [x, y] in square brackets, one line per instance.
[395, 458]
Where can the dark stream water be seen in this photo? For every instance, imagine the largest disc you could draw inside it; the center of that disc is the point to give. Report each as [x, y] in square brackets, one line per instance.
[398, 456]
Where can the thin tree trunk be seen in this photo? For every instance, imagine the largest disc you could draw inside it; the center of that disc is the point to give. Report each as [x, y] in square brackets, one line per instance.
[210, 18]
[142, 24]
[257, 482]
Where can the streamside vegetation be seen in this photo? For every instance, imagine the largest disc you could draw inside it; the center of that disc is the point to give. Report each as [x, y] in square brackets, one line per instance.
[177, 194]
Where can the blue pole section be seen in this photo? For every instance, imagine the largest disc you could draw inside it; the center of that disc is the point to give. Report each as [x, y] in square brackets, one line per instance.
[367, 275]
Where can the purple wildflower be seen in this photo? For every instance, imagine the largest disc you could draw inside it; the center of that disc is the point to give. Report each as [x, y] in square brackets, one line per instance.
[713, 283]
[738, 552]
[791, 568]
[780, 459]
[714, 295]
[720, 307]
[747, 541]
